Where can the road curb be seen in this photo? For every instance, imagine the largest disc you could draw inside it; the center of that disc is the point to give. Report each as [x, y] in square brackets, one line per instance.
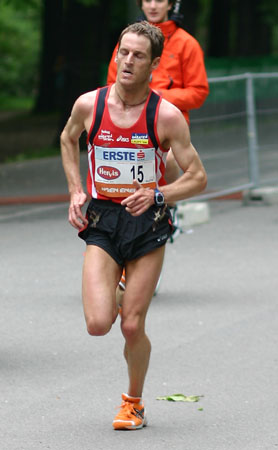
[263, 196]
[193, 214]
[31, 199]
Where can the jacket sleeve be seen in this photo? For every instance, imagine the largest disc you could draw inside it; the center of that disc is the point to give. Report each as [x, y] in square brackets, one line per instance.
[195, 82]
[112, 68]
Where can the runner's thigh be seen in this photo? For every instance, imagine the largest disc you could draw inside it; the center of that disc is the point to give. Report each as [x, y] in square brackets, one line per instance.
[101, 275]
[142, 276]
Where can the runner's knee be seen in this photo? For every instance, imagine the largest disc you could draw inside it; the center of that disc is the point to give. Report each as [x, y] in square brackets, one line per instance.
[98, 326]
[132, 328]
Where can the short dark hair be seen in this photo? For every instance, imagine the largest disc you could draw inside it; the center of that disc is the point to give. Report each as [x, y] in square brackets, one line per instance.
[153, 33]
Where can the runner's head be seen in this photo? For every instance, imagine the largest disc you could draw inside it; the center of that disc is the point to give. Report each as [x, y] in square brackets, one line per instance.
[156, 11]
[151, 32]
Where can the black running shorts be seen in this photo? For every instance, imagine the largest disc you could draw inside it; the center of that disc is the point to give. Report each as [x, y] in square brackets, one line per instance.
[123, 236]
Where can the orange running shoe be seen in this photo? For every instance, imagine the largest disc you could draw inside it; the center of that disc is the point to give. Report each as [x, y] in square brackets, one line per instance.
[132, 415]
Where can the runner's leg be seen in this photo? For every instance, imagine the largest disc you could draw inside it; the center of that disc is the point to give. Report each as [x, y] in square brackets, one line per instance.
[101, 275]
[141, 278]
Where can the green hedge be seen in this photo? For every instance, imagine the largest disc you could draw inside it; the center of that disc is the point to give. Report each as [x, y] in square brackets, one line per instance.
[218, 67]
[19, 48]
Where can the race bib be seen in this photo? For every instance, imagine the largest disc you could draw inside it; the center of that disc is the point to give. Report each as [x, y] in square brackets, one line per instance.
[116, 168]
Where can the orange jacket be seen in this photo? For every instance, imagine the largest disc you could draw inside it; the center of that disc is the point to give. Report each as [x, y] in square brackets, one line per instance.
[181, 75]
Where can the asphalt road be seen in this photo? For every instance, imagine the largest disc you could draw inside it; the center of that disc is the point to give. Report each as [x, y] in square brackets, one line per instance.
[213, 328]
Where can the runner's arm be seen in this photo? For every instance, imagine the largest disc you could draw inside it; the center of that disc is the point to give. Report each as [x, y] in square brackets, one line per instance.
[174, 133]
[70, 152]
[177, 136]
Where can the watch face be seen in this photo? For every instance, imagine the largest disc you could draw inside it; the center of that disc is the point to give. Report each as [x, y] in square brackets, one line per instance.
[159, 198]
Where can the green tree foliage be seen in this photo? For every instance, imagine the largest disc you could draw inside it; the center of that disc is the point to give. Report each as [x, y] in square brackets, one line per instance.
[19, 47]
[269, 10]
[38, 54]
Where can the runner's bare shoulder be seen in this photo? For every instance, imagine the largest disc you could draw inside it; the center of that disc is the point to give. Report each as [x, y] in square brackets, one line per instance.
[85, 102]
[84, 107]
[170, 121]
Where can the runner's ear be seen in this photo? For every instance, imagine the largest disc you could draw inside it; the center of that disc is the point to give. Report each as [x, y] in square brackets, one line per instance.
[155, 63]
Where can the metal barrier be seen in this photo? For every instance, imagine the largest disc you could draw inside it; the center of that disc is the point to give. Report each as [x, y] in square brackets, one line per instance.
[236, 133]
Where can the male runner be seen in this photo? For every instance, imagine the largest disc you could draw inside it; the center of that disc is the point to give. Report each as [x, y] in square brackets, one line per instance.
[180, 78]
[130, 130]
[181, 75]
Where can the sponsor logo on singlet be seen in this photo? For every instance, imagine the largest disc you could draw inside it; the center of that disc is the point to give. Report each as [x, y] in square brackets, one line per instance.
[140, 155]
[106, 135]
[118, 155]
[108, 173]
[140, 138]
[122, 139]
[115, 155]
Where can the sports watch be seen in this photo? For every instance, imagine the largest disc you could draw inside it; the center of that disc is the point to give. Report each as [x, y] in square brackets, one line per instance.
[158, 198]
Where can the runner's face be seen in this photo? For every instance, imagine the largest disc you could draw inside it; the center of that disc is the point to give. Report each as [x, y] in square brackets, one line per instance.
[134, 59]
[156, 11]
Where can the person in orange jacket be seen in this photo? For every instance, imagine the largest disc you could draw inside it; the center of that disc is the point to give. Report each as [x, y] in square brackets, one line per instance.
[181, 75]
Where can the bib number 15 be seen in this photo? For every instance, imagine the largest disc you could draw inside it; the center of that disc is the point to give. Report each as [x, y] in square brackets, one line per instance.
[137, 173]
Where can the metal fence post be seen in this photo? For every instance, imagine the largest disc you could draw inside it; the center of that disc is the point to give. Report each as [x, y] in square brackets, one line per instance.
[252, 131]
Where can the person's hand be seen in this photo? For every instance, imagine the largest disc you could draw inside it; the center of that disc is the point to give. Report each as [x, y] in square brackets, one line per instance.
[137, 203]
[76, 218]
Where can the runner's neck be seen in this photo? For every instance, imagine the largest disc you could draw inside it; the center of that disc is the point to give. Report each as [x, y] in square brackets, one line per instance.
[130, 105]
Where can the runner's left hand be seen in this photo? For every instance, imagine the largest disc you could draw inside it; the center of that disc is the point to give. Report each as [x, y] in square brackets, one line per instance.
[137, 203]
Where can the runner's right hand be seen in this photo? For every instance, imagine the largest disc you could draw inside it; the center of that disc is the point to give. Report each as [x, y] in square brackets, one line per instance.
[76, 218]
